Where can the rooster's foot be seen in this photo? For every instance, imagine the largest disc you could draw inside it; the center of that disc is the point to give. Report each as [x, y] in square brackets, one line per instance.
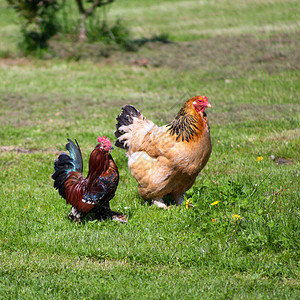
[104, 212]
[119, 218]
[75, 215]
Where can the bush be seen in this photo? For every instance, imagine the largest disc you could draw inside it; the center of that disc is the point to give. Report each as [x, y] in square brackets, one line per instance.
[40, 23]
[92, 27]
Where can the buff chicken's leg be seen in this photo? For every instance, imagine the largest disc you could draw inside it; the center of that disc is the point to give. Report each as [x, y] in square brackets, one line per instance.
[178, 199]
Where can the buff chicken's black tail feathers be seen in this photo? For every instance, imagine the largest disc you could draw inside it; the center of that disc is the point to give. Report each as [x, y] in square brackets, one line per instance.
[125, 118]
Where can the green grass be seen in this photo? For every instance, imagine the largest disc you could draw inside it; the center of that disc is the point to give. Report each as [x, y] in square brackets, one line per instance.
[191, 20]
[250, 76]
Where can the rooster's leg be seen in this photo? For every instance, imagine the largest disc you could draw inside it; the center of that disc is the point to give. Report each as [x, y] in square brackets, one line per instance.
[103, 212]
[159, 203]
[178, 199]
[75, 215]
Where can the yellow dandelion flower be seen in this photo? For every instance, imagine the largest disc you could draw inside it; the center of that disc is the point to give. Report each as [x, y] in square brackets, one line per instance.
[215, 203]
[236, 217]
[213, 220]
[188, 204]
[259, 158]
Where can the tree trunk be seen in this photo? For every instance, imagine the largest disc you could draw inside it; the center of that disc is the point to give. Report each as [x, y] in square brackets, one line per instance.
[88, 12]
[82, 30]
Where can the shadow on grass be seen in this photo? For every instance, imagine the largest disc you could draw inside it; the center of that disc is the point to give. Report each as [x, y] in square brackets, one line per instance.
[162, 38]
[75, 50]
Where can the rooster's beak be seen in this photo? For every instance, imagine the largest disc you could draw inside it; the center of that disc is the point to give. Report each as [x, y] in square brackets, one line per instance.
[208, 105]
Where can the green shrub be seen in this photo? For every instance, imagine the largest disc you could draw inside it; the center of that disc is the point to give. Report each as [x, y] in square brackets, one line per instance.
[40, 23]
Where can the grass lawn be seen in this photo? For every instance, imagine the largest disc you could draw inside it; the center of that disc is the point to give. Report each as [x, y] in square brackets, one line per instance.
[244, 56]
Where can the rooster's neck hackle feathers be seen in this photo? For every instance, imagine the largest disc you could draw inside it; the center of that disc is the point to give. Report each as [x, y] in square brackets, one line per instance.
[98, 162]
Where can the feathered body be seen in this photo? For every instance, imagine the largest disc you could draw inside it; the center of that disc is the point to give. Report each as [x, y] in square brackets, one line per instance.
[165, 160]
[90, 194]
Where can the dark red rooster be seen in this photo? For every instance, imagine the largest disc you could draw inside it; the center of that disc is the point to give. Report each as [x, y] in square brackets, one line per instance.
[93, 193]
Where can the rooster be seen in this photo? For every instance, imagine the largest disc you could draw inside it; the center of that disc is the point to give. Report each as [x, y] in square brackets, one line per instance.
[165, 160]
[93, 193]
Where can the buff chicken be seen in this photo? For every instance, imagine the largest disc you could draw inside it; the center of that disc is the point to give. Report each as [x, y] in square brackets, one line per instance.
[165, 160]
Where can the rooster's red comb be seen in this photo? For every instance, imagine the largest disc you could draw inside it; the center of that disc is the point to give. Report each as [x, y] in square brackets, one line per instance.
[105, 142]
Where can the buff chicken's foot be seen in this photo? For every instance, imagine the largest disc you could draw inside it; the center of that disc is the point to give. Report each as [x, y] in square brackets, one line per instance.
[159, 203]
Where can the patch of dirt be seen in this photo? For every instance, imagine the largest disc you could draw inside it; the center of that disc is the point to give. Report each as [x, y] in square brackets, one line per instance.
[283, 161]
[24, 150]
[16, 149]
[228, 56]
[221, 56]
[8, 62]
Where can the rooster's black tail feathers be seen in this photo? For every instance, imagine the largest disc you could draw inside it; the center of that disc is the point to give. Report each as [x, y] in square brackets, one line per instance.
[64, 164]
[75, 155]
[125, 118]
